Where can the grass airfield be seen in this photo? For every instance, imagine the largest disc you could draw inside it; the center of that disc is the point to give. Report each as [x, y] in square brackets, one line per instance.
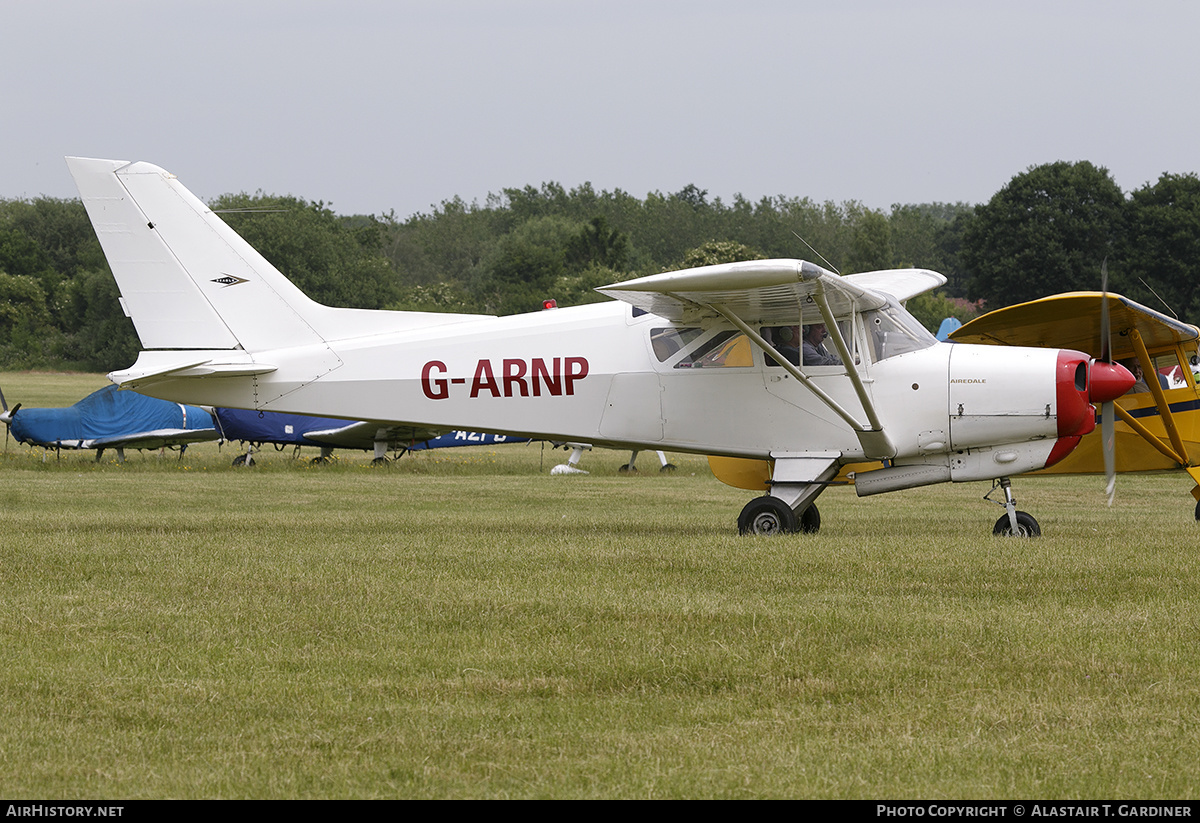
[460, 624]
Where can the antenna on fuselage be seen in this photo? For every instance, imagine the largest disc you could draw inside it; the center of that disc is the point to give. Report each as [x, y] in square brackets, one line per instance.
[832, 267]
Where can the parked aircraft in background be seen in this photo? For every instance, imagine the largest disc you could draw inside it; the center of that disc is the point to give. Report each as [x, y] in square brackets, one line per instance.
[577, 450]
[682, 361]
[1157, 426]
[111, 419]
[258, 428]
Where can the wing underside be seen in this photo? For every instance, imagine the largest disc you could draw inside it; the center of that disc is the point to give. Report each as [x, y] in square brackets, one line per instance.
[1072, 321]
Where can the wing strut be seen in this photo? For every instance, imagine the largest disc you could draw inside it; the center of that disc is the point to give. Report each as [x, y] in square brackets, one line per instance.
[874, 439]
[1164, 408]
[1148, 436]
[848, 359]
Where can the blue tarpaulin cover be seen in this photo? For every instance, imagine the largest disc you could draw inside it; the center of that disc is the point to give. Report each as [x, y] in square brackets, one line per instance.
[106, 414]
[273, 427]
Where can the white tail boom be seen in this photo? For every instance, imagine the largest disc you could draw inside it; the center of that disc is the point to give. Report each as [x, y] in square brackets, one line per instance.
[200, 296]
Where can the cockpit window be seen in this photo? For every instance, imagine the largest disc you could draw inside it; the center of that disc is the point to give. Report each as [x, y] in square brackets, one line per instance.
[702, 350]
[785, 340]
[892, 331]
[807, 345]
[667, 342]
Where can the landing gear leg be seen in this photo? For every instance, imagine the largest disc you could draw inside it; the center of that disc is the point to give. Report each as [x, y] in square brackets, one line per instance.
[572, 464]
[630, 467]
[790, 506]
[1014, 523]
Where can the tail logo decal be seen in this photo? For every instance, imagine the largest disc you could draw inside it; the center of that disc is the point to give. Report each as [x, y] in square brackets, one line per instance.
[230, 280]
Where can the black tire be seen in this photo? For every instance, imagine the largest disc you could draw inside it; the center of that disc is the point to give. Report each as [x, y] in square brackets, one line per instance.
[1026, 526]
[810, 520]
[627, 469]
[380, 461]
[1198, 510]
[767, 516]
[668, 468]
[243, 460]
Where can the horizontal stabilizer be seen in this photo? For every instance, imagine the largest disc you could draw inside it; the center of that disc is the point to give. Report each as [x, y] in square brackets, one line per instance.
[154, 367]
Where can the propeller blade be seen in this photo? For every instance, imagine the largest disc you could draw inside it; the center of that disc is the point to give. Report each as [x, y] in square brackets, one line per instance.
[1105, 328]
[1108, 432]
[1108, 439]
[3, 405]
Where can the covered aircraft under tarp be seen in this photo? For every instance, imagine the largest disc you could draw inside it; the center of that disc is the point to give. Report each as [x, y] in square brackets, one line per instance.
[329, 433]
[112, 419]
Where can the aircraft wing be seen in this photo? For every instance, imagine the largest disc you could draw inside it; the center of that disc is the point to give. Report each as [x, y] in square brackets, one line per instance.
[901, 284]
[363, 434]
[152, 439]
[302, 430]
[1072, 321]
[768, 292]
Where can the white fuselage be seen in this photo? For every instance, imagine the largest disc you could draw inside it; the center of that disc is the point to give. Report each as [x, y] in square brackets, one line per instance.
[592, 374]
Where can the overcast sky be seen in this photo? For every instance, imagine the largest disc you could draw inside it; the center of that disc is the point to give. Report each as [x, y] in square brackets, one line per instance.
[373, 106]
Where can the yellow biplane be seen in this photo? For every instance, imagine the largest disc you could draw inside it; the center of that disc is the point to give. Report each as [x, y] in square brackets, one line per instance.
[1157, 425]
[1158, 422]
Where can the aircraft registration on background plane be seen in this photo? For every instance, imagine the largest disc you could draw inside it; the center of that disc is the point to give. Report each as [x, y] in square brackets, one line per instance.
[1157, 425]
[683, 361]
[111, 419]
[257, 428]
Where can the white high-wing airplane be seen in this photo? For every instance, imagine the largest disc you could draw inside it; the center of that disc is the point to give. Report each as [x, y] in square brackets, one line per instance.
[684, 361]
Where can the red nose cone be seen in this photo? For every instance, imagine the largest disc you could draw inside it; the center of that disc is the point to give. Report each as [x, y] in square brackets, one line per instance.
[1108, 381]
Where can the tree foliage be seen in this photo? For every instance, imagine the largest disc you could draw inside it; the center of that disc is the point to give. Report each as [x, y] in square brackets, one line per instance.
[1049, 230]
[335, 261]
[1160, 254]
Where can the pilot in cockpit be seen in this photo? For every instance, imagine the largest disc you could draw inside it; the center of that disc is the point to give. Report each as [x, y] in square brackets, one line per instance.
[815, 353]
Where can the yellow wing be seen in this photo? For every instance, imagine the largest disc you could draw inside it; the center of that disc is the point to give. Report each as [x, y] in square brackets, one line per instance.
[1158, 426]
[1072, 321]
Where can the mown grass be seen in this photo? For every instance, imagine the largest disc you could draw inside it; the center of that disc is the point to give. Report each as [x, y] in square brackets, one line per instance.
[461, 624]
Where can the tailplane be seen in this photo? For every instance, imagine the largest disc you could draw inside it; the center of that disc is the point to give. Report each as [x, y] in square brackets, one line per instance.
[192, 284]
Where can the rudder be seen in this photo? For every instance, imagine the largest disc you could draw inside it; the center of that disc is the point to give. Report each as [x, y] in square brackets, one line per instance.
[187, 280]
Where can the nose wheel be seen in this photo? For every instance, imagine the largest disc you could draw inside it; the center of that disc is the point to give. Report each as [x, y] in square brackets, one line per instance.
[1026, 526]
[1014, 523]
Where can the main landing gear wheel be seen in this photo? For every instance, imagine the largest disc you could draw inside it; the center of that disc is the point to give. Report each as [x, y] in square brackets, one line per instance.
[810, 520]
[770, 515]
[1026, 526]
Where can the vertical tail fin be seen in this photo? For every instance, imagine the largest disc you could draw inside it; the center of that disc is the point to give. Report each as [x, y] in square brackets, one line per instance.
[187, 280]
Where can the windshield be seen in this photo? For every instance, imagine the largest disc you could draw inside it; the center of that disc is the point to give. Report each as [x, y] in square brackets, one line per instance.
[892, 331]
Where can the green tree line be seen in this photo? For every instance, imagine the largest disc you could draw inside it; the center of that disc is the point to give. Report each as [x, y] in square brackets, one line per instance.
[1048, 230]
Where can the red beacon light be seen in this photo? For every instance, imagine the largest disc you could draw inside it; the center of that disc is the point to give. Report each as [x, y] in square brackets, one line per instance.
[549, 303]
